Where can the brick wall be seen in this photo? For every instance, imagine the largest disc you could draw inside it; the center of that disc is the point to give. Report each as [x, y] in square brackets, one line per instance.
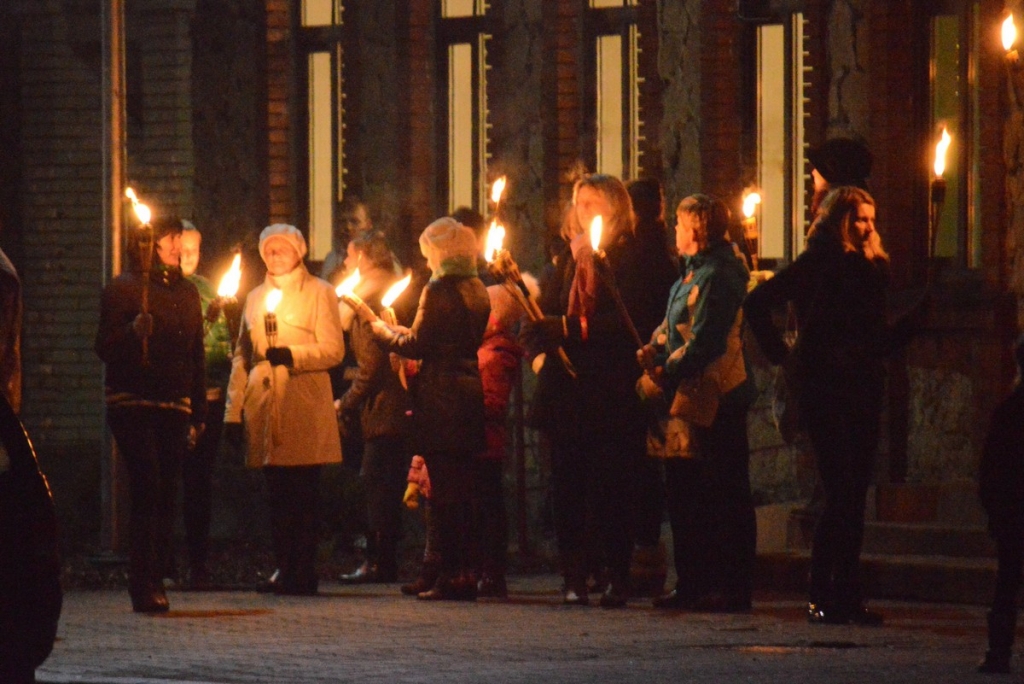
[280, 174]
[563, 112]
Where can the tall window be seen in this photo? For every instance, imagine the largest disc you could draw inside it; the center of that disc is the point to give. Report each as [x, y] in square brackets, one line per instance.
[320, 39]
[617, 133]
[782, 170]
[954, 104]
[462, 45]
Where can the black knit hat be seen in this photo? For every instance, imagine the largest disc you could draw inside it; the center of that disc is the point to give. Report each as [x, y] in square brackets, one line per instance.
[842, 161]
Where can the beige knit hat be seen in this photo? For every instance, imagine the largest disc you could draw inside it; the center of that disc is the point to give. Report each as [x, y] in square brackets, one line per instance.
[449, 239]
[286, 232]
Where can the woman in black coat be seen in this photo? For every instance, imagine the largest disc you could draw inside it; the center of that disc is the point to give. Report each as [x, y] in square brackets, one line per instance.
[156, 397]
[838, 289]
[447, 395]
[594, 422]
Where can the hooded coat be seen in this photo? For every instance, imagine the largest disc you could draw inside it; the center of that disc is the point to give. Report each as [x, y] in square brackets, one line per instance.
[289, 412]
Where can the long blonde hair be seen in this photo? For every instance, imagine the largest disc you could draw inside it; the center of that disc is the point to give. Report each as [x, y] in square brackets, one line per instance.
[622, 219]
[837, 216]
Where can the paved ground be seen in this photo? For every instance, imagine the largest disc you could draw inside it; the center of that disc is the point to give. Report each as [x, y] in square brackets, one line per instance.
[370, 634]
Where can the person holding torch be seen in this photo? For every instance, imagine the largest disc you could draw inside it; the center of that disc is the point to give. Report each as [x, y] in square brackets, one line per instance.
[154, 403]
[290, 336]
[447, 394]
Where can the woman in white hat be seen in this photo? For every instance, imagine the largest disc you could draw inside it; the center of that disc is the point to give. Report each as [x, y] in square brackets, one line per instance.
[283, 392]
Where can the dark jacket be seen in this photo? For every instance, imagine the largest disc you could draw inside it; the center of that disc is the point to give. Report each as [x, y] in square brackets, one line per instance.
[447, 396]
[840, 303]
[602, 400]
[1001, 472]
[175, 375]
[376, 391]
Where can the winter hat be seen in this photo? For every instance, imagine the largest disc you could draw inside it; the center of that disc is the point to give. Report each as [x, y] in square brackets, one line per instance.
[283, 231]
[842, 161]
[448, 239]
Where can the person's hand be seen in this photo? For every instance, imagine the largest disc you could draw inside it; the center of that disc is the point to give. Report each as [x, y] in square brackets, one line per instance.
[280, 356]
[194, 433]
[411, 499]
[213, 310]
[142, 326]
[645, 356]
[347, 423]
[396, 361]
[544, 333]
[234, 435]
[363, 311]
[647, 388]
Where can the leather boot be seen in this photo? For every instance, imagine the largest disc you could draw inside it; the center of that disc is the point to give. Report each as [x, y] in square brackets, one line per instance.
[1001, 626]
[426, 580]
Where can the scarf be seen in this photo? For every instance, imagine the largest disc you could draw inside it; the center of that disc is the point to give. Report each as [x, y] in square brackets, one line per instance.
[585, 282]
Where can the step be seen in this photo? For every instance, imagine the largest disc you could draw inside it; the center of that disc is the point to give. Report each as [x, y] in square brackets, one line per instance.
[897, 539]
[933, 578]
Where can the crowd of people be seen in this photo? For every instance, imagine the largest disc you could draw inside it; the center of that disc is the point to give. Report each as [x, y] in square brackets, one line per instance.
[643, 388]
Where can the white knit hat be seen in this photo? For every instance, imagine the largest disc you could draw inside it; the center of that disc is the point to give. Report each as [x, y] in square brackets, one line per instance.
[448, 239]
[284, 232]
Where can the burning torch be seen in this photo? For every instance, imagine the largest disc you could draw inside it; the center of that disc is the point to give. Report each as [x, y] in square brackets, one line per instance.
[144, 215]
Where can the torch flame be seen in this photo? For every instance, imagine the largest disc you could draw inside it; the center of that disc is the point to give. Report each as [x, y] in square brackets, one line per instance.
[273, 299]
[1009, 33]
[141, 210]
[398, 288]
[750, 202]
[348, 284]
[498, 189]
[495, 238]
[941, 148]
[596, 228]
[229, 282]
[130, 194]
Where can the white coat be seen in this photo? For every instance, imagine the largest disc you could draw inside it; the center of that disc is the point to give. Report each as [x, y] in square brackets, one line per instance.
[288, 412]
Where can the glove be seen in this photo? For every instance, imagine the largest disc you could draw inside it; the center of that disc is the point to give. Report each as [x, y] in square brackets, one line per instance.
[647, 389]
[411, 499]
[280, 356]
[546, 333]
[234, 435]
[645, 356]
[142, 326]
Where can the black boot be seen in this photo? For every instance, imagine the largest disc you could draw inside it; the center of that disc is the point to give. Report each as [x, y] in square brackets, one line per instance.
[1001, 626]
[426, 580]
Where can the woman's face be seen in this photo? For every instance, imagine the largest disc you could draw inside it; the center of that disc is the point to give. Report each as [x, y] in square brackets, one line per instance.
[687, 225]
[168, 249]
[591, 202]
[863, 224]
[280, 256]
[351, 259]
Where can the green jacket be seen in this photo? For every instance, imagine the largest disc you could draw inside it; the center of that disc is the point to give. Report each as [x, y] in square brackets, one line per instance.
[217, 336]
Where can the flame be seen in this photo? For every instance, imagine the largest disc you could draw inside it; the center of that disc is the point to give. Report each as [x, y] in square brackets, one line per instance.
[495, 238]
[941, 148]
[141, 210]
[348, 284]
[750, 202]
[498, 189]
[398, 288]
[1009, 33]
[229, 282]
[273, 299]
[596, 228]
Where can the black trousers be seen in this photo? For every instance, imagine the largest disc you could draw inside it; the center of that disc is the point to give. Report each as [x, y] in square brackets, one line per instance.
[711, 510]
[490, 514]
[451, 485]
[384, 469]
[197, 487]
[293, 493]
[152, 443]
[843, 425]
[591, 481]
[647, 501]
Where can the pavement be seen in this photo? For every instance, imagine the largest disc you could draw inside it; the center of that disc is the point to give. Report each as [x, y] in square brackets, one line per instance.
[374, 634]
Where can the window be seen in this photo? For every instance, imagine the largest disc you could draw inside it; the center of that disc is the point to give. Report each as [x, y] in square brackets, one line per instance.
[782, 169]
[954, 104]
[322, 180]
[462, 45]
[616, 101]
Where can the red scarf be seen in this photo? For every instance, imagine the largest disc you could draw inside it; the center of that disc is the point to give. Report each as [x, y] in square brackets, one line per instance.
[583, 293]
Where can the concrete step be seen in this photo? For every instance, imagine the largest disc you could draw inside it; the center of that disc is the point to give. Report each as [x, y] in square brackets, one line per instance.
[909, 539]
[941, 579]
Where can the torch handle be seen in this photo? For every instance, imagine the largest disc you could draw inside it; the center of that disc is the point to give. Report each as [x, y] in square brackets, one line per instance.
[608, 278]
[387, 314]
[534, 313]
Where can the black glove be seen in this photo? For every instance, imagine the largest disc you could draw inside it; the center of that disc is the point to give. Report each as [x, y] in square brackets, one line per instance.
[547, 333]
[280, 356]
[234, 435]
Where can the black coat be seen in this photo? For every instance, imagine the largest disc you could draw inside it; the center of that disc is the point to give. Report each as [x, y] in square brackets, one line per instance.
[376, 392]
[447, 395]
[1001, 472]
[602, 401]
[176, 369]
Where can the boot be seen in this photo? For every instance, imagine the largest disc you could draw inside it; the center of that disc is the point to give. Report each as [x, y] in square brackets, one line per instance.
[426, 580]
[1001, 626]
